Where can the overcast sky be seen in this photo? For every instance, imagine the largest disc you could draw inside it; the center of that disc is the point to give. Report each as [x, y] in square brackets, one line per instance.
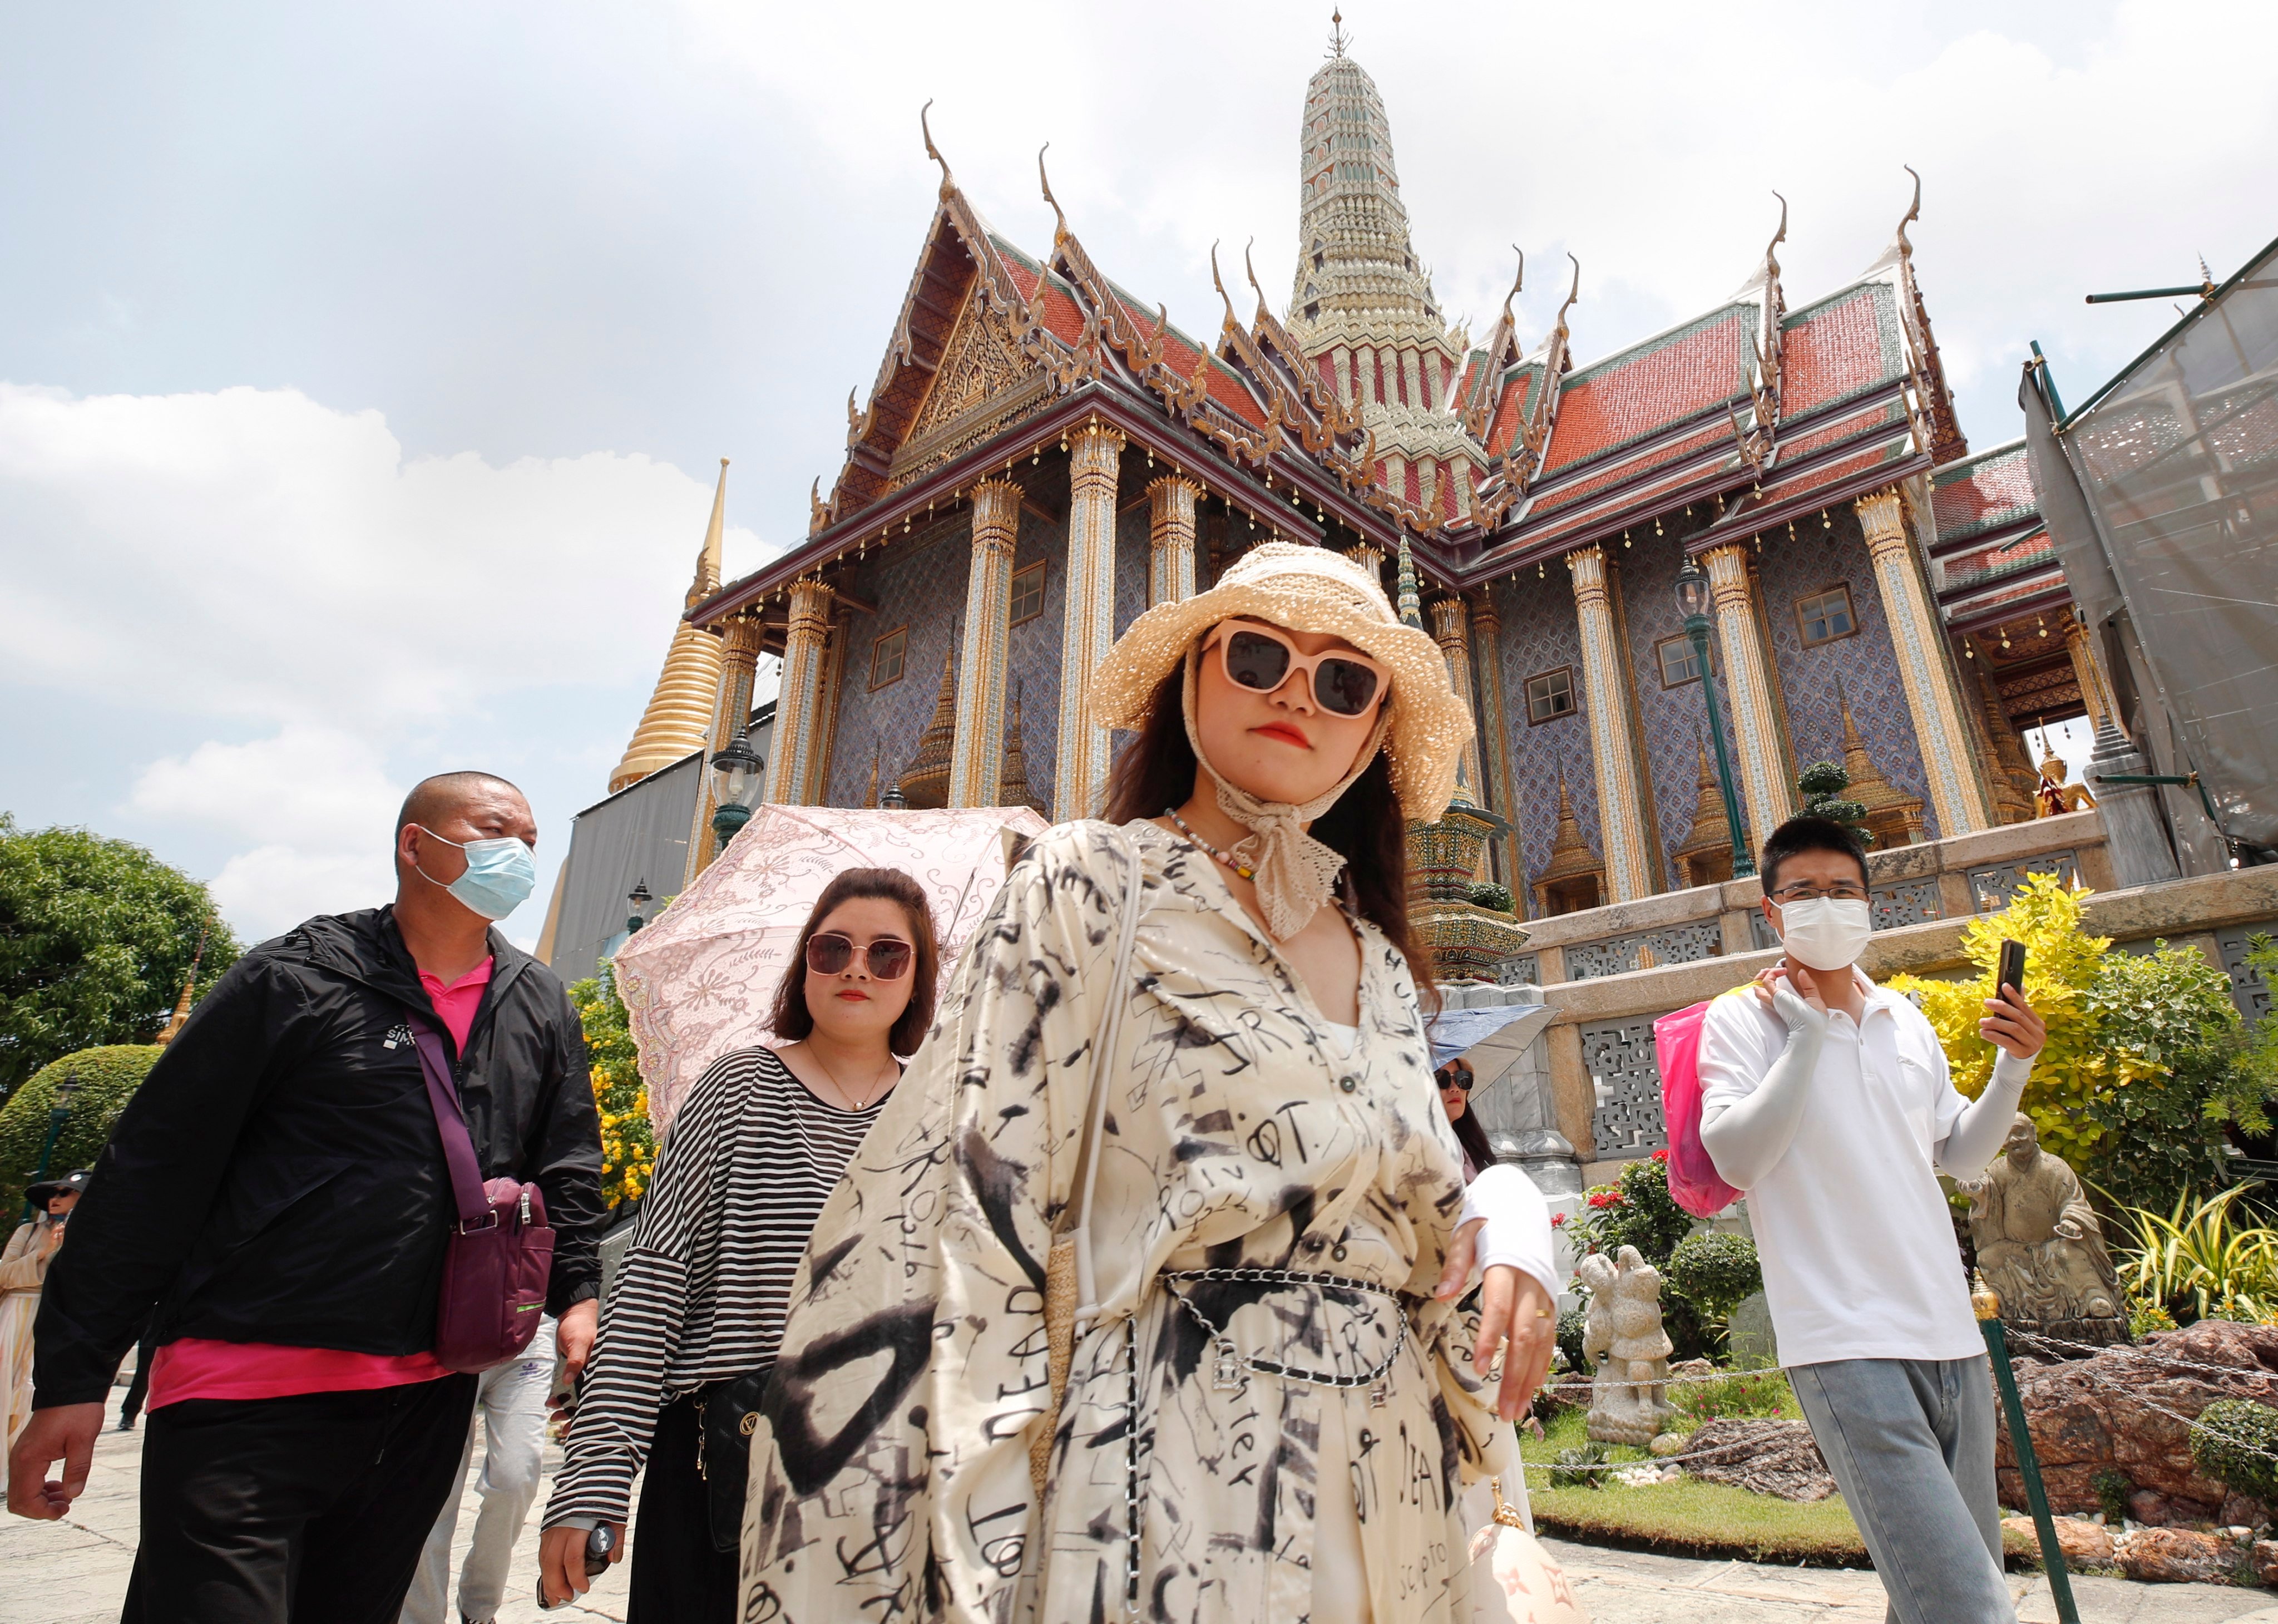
[365, 371]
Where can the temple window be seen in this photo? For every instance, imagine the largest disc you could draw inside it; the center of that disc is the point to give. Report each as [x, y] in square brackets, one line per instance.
[888, 655]
[1826, 615]
[1679, 662]
[1550, 695]
[1028, 592]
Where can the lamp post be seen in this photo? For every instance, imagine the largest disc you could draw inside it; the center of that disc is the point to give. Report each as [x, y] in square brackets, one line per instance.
[640, 899]
[1692, 603]
[58, 1113]
[739, 767]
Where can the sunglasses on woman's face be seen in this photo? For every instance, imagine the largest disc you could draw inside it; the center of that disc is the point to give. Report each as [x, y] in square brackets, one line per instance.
[1261, 658]
[1456, 1079]
[887, 959]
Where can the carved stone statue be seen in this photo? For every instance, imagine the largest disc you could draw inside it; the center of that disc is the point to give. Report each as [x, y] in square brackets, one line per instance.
[1625, 1347]
[2040, 1244]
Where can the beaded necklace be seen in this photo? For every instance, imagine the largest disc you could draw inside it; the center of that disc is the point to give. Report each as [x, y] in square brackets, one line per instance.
[1227, 858]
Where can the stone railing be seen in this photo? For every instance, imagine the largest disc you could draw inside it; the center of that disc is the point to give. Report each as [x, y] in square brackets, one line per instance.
[1939, 879]
[1603, 1088]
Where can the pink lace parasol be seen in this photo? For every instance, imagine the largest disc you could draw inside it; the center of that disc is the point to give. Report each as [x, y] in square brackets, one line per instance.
[698, 982]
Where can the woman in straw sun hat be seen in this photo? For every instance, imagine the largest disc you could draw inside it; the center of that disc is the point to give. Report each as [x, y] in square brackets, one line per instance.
[1187, 1048]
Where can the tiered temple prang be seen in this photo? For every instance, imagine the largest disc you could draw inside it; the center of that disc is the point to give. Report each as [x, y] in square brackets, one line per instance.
[1044, 453]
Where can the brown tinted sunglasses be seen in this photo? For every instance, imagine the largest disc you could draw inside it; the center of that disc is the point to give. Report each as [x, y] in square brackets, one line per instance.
[887, 959]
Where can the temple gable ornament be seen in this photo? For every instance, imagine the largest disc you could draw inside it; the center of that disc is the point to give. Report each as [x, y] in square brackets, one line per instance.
[984, 384]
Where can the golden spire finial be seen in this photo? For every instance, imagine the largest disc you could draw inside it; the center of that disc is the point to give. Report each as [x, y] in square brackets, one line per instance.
[1217, 283]
[948, 181]
[1060, 229]
[181, 1015]
[1338, 38]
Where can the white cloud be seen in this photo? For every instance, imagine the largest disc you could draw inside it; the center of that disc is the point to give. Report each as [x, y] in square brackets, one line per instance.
[253, 554]
[268, 889]
[321, 621]
[314, 787]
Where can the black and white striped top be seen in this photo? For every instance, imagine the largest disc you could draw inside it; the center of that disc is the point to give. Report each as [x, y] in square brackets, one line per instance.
[742, 1176]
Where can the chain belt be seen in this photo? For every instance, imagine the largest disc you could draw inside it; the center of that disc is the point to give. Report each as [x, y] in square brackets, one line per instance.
[1225, 1375]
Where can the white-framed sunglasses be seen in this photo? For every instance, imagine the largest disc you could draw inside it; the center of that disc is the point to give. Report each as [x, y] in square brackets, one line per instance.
[1260, 657]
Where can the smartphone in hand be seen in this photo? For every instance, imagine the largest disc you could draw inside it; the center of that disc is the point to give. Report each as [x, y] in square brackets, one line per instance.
[2011, 972]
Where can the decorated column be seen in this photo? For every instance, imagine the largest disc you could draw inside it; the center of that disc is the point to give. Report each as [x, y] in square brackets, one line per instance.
[1765, 780]
[731, 707]
[2088, 671]
[1171, 539]
[1955, 787]
[798, 735]
[1605, 699]
[1095, 453]
[1451, 629]
[1503, 797]
[977, 757]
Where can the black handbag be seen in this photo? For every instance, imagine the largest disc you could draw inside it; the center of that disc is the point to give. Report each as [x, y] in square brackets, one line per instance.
[727, 1414]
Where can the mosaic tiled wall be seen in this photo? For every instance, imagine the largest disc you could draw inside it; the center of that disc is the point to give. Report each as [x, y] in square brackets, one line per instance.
[1539, 633]
[1672, 719]
[918, 582]
[1033, 657]
[1816, 560]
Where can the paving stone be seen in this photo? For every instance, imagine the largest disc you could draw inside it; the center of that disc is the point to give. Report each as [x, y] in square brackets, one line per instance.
[75, 1572]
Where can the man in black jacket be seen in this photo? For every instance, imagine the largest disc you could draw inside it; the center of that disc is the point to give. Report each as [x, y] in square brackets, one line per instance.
[276, 1196]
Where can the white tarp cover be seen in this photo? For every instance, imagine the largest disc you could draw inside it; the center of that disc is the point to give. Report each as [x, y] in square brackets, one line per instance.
[698, 982]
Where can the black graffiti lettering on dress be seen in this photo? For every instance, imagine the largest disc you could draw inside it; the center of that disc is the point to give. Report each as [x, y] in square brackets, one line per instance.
[1296, 1134]
[1002, 1551]
[999, 1188]
[1419, 1469]
[822, 1265]
[1454, 1445]
[810, 1462]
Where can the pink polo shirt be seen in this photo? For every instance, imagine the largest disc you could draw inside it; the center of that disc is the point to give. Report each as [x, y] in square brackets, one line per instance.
[199, 1367]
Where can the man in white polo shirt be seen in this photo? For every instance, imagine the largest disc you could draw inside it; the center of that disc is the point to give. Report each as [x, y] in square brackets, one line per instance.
[1828, 1100]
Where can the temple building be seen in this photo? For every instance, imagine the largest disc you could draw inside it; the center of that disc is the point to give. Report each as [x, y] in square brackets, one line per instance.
[1044, 453]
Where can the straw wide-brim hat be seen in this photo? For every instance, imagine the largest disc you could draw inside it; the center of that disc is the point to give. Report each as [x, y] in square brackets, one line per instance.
[1303, 588]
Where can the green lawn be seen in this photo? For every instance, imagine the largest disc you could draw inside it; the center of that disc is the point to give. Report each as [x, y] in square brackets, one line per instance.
[1691, 1518]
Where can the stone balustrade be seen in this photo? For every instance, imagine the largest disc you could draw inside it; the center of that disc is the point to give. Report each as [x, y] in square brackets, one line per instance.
[1600, 1084]
[1937, 879]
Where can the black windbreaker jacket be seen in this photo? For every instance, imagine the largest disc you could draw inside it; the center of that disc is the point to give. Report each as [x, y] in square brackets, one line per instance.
[278, 1177]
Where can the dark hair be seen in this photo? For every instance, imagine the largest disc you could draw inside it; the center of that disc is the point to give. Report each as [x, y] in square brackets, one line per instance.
[1469, 1134]
[1156, 770]
[1807, 833]
[792, 1018]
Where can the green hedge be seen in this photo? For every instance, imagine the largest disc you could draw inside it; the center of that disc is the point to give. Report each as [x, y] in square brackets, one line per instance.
[108, 1078]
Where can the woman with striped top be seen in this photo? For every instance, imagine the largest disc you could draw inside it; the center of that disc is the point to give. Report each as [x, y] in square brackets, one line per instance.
[698, 1305]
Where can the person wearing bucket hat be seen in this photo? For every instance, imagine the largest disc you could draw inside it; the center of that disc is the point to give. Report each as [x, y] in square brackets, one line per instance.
[23, 1271]
[1185, 1052]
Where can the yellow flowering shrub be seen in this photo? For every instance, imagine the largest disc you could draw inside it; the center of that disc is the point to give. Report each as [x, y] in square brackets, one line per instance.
[2061, 964]
[628, 1140]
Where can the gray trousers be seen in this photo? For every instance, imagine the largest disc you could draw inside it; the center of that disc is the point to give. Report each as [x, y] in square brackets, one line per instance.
[511, 1404]
[1910, 1443]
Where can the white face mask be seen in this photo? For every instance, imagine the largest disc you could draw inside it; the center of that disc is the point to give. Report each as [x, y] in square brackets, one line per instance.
[1825, 932]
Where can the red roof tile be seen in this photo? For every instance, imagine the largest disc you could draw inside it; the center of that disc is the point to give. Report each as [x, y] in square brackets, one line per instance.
[1631, 395]
[1994, 487]
[1630, 467]
[1833, 349]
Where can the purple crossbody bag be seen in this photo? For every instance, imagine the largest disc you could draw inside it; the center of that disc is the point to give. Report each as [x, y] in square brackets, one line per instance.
[500, 1252]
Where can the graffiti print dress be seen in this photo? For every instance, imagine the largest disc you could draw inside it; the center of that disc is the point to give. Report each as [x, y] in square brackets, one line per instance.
[889, 1470]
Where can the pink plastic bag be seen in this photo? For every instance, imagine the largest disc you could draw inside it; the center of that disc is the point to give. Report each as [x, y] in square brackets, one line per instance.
[1693, 1184]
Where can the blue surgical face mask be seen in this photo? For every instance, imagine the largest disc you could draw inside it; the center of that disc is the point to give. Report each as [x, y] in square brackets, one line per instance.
[500, 874]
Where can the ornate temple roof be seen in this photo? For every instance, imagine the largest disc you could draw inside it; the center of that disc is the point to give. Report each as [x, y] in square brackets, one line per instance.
[1358, 410]
[1993, 562]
